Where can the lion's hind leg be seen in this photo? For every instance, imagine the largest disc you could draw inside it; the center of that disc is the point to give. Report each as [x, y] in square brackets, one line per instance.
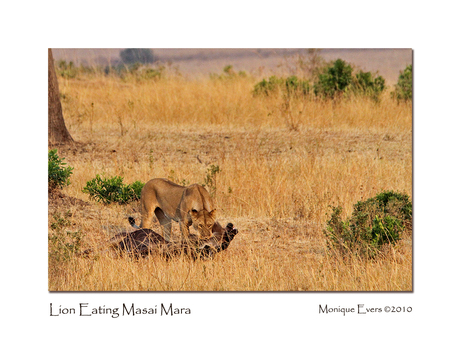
[165, 222]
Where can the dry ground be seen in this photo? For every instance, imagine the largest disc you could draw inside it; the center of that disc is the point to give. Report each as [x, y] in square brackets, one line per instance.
[277, 181]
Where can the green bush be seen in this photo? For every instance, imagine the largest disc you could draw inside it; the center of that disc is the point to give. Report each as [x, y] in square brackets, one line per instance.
[367, 84]
[296, 87]
[338, 78]
[403, 89]
[136, 70]
[228, 74]
[153, 73]
[291, 86]
[66, 70]
[334, 79]
[268, 87]
[62, 243]
[144, 72]
[375, 222]
[58, 174]
[70, 71]
[112, 190]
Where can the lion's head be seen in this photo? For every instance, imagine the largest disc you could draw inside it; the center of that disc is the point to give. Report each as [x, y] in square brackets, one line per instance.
[203, 221]
[220, 240]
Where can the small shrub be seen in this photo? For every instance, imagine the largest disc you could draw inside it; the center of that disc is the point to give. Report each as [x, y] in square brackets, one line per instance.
[291, 86]
[136, 187]
[112, 190]
[375, 222]
[153, 73]
[296, 87]
[268, 87]
[339, 78]
[365, 83]
[228, 74]
[140, 71]
[403, 89]
[211, 179]
[334, 79]
[68, 70]
[137, 71]
[62, 243]
[58, 174]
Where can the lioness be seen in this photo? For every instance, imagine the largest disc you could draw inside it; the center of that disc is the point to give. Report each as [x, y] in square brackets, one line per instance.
[191, 205]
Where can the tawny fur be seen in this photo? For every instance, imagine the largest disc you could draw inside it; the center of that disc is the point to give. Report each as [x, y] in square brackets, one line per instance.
[188, 205]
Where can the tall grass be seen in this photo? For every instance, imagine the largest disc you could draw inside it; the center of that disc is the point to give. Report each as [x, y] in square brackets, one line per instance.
[242, 269]
[282, 164]
[112, 103]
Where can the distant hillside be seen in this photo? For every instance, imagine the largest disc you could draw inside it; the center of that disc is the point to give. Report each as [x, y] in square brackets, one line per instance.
[201, 62]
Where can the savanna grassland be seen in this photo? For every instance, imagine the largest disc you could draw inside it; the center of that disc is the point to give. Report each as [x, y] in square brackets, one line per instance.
[282, 164]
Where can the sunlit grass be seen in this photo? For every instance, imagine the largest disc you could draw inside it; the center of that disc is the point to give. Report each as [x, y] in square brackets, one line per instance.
[282, 167]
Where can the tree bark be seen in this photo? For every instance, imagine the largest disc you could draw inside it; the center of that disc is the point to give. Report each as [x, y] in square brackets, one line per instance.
[57, 131]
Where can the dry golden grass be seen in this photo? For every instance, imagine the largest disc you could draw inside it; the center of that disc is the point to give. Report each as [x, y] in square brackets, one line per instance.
[282, 166]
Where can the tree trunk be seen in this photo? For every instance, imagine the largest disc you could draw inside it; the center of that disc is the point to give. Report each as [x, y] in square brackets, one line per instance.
[57, 131]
